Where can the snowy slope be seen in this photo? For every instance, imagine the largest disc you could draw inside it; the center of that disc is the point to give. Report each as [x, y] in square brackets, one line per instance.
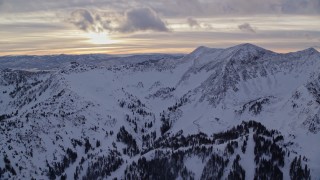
[240, 112]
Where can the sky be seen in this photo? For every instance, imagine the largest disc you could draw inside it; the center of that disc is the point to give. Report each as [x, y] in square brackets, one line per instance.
[155, 26]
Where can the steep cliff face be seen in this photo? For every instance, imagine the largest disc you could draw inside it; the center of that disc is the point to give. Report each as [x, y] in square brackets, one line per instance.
[240, 112]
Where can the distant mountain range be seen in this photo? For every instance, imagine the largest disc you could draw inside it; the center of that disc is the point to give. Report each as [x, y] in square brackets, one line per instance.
[242, 112]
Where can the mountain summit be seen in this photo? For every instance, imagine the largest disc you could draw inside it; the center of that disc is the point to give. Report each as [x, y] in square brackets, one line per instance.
[248, 47]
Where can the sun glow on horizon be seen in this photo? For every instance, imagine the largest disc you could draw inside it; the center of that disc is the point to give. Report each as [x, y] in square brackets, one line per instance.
[100, 38]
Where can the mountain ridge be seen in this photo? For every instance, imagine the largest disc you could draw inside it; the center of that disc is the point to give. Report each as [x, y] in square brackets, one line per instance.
[219, 109]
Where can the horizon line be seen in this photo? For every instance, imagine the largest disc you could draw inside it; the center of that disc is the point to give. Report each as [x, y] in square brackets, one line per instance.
[146, 52]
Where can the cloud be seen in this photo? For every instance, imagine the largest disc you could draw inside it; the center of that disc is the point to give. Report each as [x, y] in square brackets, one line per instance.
[82, 19]
[214, 8]
[133, 20]
[301, 7]
[192, 22]
[170, 8]
[246, 27]
[207, 26]
[88, 21]
[142, 19]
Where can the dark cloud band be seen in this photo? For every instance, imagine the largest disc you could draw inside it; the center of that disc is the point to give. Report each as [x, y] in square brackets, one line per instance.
[133, 20]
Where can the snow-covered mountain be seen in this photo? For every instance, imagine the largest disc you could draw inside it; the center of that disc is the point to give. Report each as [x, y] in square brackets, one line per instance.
[237, 113]
[55, 62]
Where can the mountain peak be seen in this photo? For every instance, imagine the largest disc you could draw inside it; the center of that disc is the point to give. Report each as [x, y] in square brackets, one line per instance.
[247, 52]
[306, 52]
[248, 47]
[202, 50]
[310, 50]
